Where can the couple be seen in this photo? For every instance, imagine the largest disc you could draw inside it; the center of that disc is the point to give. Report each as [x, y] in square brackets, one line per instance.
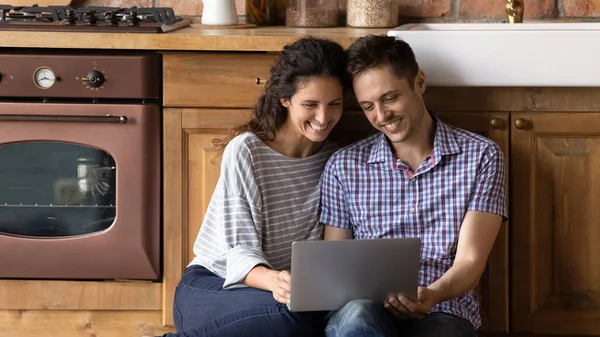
[282, 182]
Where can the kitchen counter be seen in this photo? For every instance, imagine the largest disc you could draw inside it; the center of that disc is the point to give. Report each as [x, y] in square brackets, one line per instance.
[190, 38]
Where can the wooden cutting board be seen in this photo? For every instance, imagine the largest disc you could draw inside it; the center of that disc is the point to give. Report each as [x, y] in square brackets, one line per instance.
[40, 3]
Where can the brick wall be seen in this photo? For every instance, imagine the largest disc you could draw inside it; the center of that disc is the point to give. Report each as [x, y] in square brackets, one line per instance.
[412, 10]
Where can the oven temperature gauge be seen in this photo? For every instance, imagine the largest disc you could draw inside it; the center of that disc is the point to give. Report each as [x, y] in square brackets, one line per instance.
[44, 77]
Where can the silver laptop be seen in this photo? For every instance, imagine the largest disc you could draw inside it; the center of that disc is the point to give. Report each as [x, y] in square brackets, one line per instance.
[328, 274]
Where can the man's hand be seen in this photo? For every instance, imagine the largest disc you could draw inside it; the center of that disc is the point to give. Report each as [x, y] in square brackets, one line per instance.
[404, 307]
[282, 285]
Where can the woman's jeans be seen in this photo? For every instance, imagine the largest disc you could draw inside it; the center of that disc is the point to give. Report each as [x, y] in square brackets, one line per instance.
[363, 318]
[203, 308]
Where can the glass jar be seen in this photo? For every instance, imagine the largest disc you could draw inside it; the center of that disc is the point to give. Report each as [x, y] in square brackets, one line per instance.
[261, 12]
[372, 13]
[312, 13]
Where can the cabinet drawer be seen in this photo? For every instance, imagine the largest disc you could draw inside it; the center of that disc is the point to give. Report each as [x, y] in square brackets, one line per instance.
[214, 80]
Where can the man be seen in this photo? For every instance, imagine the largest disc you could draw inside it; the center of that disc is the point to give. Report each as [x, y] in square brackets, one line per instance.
[417, 177]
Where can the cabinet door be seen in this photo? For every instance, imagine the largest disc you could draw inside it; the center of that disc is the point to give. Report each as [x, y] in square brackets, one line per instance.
[555, 250]
[493, 287]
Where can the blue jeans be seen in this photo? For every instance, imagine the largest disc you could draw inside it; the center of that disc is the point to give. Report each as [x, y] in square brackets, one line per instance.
[366, 318]
[203, 308]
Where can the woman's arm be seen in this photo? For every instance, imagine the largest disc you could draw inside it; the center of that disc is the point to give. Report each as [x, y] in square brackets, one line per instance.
[334, 233]
[262, 277]
[236, 217]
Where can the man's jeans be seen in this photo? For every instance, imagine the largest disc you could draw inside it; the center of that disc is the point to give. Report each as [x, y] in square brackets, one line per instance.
[203, 308]
[366, 318]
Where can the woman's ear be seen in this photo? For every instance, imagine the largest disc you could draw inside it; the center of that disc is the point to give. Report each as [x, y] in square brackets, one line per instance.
[285, 102]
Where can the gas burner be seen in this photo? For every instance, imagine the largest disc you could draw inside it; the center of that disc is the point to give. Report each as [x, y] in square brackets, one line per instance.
[90, 19]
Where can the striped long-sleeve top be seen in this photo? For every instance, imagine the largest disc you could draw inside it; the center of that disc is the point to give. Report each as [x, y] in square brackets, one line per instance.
[263, 201]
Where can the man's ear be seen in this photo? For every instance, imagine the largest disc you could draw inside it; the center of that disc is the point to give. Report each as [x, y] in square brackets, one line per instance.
[420, 82]
[285, 102]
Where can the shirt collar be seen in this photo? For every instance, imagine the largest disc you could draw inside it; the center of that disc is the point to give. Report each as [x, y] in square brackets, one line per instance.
[444, 144]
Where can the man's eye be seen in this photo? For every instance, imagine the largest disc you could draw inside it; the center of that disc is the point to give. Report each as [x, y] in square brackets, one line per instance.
[390, 99]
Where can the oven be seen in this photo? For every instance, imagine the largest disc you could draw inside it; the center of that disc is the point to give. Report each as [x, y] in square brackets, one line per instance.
[80, 165]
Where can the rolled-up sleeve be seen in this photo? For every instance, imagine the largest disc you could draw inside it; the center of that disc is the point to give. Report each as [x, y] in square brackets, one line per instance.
[334, 211]
[489, 192]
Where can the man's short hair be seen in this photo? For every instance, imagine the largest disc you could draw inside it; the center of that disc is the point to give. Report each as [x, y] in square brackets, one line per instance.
[373, 51]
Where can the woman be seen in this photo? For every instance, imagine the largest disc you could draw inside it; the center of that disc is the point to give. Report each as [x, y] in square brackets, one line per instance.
[267, 196]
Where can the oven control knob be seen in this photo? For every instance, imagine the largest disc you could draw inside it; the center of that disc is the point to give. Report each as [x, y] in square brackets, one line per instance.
[94, 79]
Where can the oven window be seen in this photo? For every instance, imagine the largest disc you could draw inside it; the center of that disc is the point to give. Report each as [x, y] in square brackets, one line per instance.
[53, 189]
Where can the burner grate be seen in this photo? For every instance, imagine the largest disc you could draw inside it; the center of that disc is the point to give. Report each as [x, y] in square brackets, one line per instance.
[130, 19]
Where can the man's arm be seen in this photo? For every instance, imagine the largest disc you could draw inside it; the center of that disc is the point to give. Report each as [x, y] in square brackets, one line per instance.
[475, 241]
[335, 233]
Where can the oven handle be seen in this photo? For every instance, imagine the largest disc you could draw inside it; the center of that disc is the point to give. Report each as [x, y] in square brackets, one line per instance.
[66, 118]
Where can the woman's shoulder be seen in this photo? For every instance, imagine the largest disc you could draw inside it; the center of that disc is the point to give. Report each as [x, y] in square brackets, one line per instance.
[243, 144]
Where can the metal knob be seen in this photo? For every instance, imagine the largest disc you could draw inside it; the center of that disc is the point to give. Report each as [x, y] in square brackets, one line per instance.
[496, 123]
[260, 80]
[94, 79]
[521, 123]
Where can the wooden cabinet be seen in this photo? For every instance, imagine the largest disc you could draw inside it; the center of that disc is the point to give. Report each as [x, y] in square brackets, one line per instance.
[550, 285]
[555, 256]
[215, 80]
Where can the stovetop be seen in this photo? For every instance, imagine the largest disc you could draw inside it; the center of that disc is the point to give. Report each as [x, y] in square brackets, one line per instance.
[91, 19]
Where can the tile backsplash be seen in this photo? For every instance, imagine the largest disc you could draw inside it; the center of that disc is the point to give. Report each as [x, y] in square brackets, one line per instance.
[410, 10]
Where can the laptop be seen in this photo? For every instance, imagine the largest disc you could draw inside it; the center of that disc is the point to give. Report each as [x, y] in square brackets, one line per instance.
[328, 274]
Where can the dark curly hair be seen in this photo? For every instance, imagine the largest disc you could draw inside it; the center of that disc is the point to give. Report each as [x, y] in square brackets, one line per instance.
[372, 51]
[298, 62]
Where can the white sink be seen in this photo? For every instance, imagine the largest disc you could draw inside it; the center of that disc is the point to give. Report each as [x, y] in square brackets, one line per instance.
[502, 54]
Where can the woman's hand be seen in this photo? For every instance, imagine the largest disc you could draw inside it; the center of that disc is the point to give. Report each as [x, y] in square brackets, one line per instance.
[282, 285]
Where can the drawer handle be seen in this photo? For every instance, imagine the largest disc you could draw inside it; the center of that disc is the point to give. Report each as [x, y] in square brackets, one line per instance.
[64, 118]
[261, 81]
[496, 123]
[521, 123]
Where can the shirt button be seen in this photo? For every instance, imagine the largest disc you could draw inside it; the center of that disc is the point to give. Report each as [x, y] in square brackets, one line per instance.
[412, 209]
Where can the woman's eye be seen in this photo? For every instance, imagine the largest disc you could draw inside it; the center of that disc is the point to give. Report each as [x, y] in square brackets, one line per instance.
[310, 106]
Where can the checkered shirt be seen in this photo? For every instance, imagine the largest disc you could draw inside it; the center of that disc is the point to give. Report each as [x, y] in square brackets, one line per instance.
[366, 189]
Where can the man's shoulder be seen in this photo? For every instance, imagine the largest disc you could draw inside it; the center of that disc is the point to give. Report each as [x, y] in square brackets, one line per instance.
[357, 151]
[471, 141]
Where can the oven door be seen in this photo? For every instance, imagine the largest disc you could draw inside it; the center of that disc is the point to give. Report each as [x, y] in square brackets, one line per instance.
[80, 191]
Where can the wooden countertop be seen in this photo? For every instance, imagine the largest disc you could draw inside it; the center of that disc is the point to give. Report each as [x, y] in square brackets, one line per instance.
[190, 38]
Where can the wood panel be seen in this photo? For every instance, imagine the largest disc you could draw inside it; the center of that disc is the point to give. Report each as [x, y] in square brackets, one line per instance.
[203, 163]
[203, 169]
[195, 38]
[173, 192]
[463, 99]
[54, 323]
[555, 251]
[211, 80]
[493, 289]
[68, 295]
